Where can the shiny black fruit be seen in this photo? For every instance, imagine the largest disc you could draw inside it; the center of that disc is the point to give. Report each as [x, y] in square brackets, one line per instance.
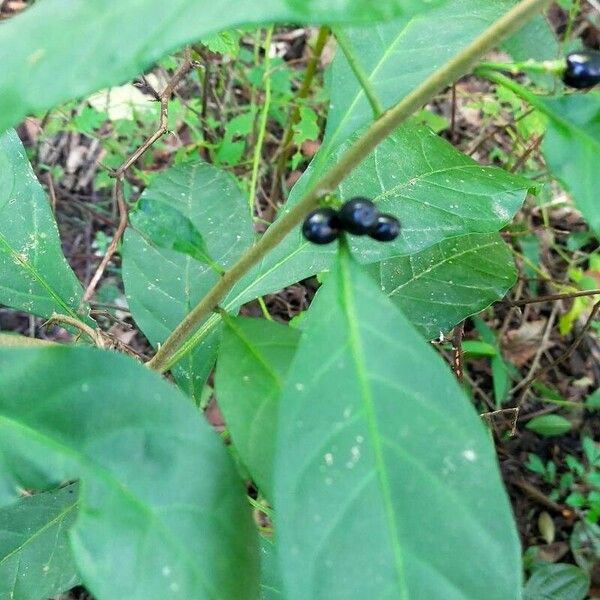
[386, 228]
[358, 216]
[321, 226]
[583, 69]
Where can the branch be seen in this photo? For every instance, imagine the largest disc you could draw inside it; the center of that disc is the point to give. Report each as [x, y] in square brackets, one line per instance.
[119, 174]
[512, 21]
[553, 297]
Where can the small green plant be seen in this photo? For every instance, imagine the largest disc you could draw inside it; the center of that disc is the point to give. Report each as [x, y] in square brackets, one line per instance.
[576, 484]
[371, 472]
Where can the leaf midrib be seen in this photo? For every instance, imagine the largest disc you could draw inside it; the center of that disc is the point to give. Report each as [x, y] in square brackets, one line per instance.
[354, 337]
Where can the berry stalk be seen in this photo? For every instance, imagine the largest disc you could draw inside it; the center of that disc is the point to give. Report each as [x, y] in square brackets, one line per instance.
[177, 345]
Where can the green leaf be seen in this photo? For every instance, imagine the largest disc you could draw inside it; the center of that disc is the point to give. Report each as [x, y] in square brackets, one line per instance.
[535, 41]
[307, 127]
[254, 357]
[397, 56]
[500, 372]
[557, 582]
[477, 349]
[224, 42]
[270, 584]
[436, 192]
[34, 275]
[162, 510]
[35, 558]
[446, 283]
[163, 285]
[380, 471]
[584, 543]
[167, 228]
[117, 39]
[593, 400]
[571, 147]
[549, 425]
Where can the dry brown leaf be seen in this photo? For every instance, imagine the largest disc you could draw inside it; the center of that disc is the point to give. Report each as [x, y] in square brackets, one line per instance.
[521, 345]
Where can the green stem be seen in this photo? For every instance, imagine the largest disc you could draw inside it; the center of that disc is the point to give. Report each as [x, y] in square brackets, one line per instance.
[359, 72]
[168, 354]
[533, 99]
[551, 67]
[264, 117]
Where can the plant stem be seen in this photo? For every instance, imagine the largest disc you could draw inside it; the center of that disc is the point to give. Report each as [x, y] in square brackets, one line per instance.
[264, 117]
[536, 101]
[376, 133]
[359, 72]
[309, 75]
[552, 67]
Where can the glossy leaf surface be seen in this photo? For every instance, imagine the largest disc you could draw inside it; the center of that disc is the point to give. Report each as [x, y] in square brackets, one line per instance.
[450, 281]
[386, 483]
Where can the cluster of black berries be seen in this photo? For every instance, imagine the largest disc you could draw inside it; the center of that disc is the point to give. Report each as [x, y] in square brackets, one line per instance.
[583, 69]
[358, 216]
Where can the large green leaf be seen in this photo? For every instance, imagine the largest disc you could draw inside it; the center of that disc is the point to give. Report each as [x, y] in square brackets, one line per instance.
[115, 40]
[254, 357]
[34, 275]
[386, 483]
[572, 147]
[162, 511]
[448, 282]
[35, 558]
[436, 192]
[163, 285]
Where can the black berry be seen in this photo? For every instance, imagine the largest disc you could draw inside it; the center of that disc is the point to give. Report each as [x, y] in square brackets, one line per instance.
[386, 228]
[321, 226]
[358, 216]
[583, 69]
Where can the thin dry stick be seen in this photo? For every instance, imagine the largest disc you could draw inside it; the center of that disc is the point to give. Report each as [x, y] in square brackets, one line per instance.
[183, 339]
[531, 148]
[95, 335]
[553, 297]
[458, 359]
[540, 497]
[119, 174]
[453, 114]
[538, 355]
[578, 339]
[52, 192]
[114, 243]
